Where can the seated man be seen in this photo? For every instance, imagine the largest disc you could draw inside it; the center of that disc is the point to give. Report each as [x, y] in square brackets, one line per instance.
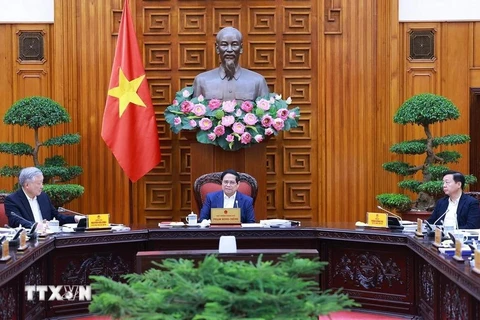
[463, 210]
[30, 204]
[229, 198]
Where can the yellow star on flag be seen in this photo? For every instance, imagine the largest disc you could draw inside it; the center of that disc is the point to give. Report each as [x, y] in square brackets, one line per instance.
[126, 92]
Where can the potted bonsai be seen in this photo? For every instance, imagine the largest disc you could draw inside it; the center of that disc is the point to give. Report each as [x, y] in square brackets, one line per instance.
[425, 110]
[219, 290]
[35, 113]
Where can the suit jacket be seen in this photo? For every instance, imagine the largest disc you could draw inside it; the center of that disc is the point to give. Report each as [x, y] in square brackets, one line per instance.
[468, 212]
[215, 200]
[19, 212]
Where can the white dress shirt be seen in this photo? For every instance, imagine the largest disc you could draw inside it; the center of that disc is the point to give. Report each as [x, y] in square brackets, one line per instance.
[451, 216]
[229, 202]
[37, 214]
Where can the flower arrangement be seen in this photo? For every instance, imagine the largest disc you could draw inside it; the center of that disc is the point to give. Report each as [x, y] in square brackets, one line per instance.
[231, 124]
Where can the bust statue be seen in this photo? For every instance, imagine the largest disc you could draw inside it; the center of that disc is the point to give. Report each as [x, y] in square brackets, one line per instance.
[229, 81]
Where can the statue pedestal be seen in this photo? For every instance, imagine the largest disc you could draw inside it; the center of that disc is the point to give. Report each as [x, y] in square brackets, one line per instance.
[206, 158]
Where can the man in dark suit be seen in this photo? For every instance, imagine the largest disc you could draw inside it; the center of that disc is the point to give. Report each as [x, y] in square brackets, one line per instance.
[229, 198]
[456, 204]
[30, 204]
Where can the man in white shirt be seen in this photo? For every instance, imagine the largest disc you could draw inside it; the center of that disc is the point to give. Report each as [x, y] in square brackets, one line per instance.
[30, 204]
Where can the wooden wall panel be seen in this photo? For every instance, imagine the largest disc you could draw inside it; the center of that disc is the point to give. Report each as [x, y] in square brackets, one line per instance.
[345, 63]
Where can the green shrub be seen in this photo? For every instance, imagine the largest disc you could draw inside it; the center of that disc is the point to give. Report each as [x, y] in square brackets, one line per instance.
[219, 290]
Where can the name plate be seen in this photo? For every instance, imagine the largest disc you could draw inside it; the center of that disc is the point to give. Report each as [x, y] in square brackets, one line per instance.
[458, 250]
[377, 219]
[97, 221]
[5, 251]
[438, 237]
[23, 241]
[225, 216]
[419, 232]
[476, 267]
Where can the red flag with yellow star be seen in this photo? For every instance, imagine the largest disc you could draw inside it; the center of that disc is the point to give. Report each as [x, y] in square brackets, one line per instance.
[129, 127]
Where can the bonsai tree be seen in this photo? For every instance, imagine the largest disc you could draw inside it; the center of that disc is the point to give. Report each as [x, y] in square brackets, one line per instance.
[219, 290]
[35, 113]
[424, 110]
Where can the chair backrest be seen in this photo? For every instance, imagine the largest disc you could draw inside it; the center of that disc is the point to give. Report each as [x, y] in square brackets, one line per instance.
[211, 182]
[3, 216]
[474, 194]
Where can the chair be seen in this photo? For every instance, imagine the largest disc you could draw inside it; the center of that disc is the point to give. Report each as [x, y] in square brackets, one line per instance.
[211, 182]
[474, 194]
[3, 216]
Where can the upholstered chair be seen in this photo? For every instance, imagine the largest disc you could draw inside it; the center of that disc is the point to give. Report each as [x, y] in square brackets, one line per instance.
[211, 182]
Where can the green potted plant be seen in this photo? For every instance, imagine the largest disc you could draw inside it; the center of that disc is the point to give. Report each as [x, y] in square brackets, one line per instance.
[35, 113]
[219, 290]
[425, 110]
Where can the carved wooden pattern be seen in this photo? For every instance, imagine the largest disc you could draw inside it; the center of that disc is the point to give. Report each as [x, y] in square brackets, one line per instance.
[8, 303]
[34, 276]
[109, 265]
[333, 17]
[179, 42]
[31, 46]
[454, 303]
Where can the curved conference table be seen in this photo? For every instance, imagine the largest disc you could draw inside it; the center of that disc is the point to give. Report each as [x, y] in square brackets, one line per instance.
[384, 270]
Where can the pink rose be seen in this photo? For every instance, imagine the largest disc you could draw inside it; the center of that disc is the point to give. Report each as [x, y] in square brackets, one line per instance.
[230, 138]
[282, 114]
[212, 136]
[175, 102]
[263, 104]
[246, 138]
[219, 130]
[247, 106]
[193, 123]
[177, 121]
[238, 128]
[227, 121]
[278, 124]
[205, 124]
[185, 93]
[199, 110]
[186, 106]
[292, 115]
[267, 121]
[214, 104]
[269, 131]
[229, 106]
[250, 119]
[258, 138]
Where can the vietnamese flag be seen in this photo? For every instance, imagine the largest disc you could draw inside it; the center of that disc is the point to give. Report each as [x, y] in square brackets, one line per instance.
[129, 127]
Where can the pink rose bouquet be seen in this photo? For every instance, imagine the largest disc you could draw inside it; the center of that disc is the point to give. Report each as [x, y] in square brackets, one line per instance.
[231, 125]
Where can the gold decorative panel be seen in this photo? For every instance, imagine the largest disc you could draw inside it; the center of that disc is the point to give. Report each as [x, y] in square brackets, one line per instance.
[297, 195]
[297, 160]
[226, 17]
[262, 55]
[158, 56]
[261, 20]
[297, 20]
[299, 89]
[193, 56]
[157, 21]
[297, 55]
[192, 21]
[158, 196]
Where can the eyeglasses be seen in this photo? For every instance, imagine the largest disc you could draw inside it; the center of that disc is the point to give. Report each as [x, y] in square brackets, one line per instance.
[229, 182]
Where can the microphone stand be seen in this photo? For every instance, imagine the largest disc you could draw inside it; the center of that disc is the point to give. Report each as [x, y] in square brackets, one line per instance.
[62, 210]
[395, 224]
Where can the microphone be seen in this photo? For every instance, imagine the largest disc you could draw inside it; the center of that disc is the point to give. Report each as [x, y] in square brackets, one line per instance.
[393, 223]
[62, 209]
[391, 213]
[440, 217]
[23, 221]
